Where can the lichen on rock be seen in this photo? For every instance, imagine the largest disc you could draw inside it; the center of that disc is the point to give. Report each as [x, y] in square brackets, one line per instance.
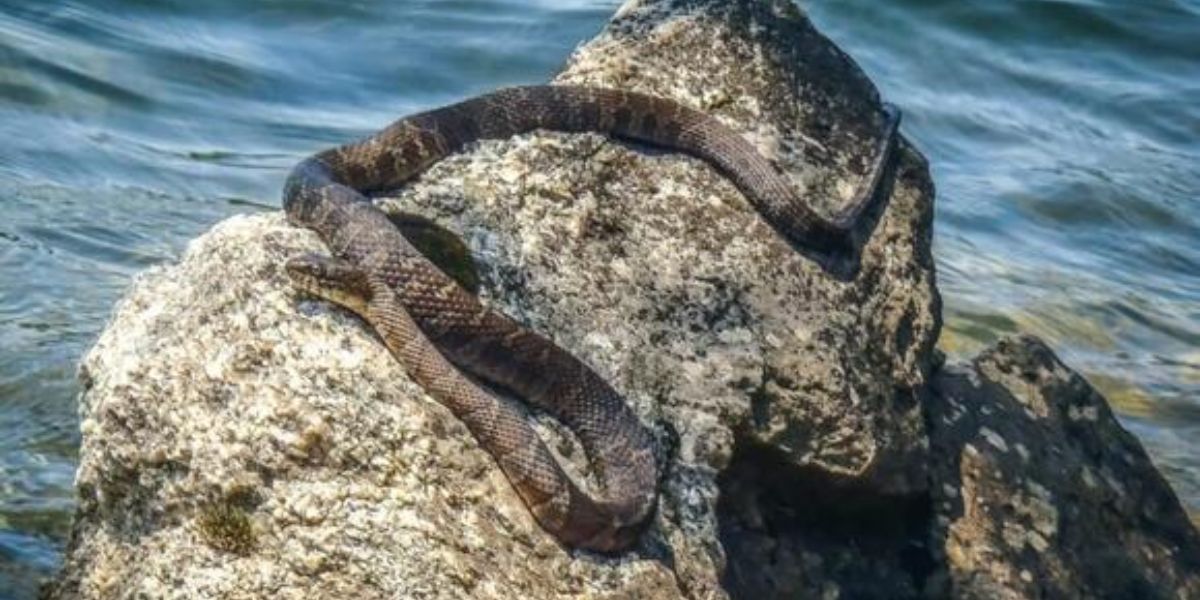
[1038, 492]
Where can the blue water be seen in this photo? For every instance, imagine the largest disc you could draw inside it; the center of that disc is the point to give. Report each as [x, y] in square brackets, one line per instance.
[1064, 139]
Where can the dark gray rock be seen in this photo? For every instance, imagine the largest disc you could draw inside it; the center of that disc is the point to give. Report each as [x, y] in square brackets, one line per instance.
[1036, 491]
[1039, 492]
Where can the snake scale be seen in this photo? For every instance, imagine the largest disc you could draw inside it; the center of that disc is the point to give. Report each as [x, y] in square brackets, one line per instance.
[435, 328]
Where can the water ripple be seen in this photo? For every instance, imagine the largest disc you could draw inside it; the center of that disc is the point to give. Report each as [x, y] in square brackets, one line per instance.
[1062, 135]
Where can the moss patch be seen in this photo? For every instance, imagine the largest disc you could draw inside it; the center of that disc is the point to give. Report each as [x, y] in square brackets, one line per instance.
[441, 246]
[225, 525]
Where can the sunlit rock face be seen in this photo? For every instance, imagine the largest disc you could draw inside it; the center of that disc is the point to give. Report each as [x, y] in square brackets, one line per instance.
[240, 439]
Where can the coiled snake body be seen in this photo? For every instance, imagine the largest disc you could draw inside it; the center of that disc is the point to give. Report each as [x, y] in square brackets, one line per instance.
[434, 327]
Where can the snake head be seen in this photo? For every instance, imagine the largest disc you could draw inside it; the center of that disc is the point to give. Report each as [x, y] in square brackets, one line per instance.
[332, 279]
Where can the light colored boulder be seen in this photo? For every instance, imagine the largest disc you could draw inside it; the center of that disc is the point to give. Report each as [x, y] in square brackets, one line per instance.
[240, 440]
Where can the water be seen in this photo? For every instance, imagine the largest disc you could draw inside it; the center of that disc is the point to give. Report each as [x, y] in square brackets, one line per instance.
[1064, 138]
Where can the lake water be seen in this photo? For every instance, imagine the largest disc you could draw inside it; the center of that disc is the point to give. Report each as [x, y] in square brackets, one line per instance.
[1064, 138]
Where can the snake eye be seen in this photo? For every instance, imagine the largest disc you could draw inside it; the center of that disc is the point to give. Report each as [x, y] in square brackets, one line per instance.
[331, 278]
[306, 267]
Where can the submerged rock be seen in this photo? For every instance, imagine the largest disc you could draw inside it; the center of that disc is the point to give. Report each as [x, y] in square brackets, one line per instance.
[240, 439]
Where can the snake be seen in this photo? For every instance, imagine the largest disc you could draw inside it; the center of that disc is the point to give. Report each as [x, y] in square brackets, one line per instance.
[470, 357]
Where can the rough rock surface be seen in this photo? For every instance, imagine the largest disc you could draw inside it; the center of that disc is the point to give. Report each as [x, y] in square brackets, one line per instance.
[240, 440]
[657, 271]
[1038, 492]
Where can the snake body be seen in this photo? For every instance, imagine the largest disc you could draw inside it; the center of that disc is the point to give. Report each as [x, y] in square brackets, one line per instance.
[438, 330]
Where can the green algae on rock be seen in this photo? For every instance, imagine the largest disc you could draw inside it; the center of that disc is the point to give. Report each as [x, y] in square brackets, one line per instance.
[227, 527]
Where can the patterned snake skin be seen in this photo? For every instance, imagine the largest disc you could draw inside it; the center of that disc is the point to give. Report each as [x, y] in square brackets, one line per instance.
[435, 328]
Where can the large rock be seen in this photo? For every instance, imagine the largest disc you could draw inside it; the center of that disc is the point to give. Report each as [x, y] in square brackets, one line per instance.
[239, 439]
[1038, 492]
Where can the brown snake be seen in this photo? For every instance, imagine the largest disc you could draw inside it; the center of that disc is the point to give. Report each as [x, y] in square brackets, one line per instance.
[434, 327]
